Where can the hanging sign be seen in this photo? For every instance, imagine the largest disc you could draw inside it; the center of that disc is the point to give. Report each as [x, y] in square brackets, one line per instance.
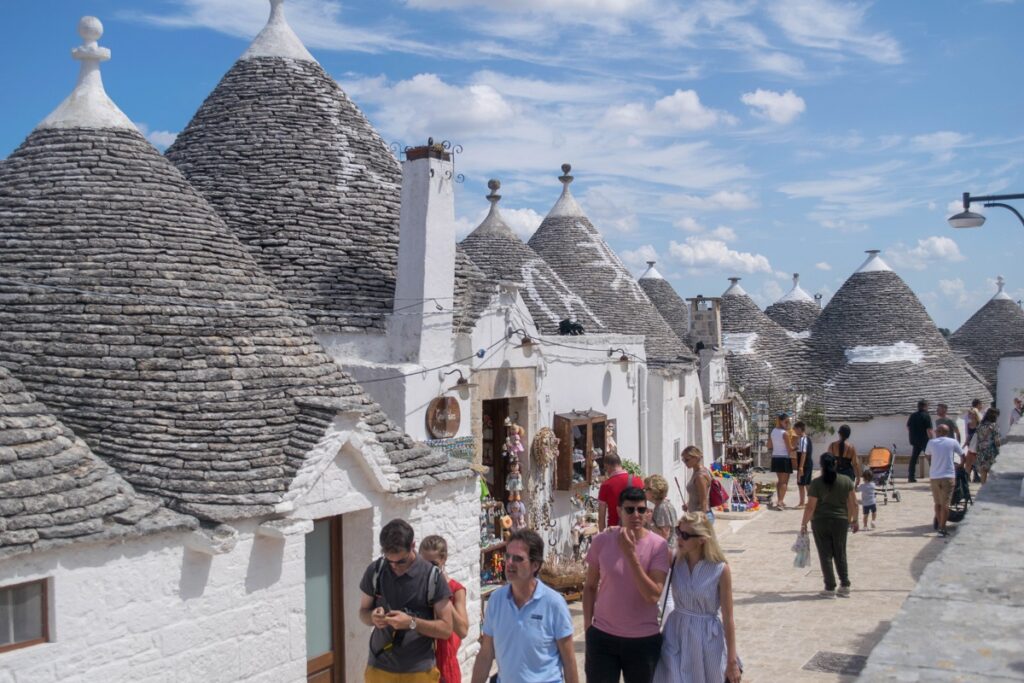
[443, 417]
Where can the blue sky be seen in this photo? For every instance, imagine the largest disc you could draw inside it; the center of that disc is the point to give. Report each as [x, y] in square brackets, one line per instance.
[720, 137]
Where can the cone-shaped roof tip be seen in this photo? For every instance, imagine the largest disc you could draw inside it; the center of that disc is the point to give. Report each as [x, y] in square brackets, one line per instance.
[1000, 284]
[493, 222]
[734, 288]
[651, 273]
[88, 105]
[873, 263]
[798, 293]
[277, 39]
[566, 204]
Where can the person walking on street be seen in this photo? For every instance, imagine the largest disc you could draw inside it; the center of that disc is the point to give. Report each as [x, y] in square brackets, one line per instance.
[408, 603]
[804, 461]
[942, 418]
[868, 503]
[618, 479]
[832, 512]
[527, 628]
[1018, 411]
[942, 452]
[434, 549]
[698, 489]
[663, 515]
[847, 461]
[783, 455]
[626, 570]
[987, 440]
[919, 431]
[972, 420]
[700, 643]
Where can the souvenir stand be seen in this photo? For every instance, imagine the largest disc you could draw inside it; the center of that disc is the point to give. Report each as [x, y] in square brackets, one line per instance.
[502, 510]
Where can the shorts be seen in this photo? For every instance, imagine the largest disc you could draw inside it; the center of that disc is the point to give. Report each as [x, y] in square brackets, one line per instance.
[873, 508]
[942, 491]
[783, 465]
[375, 675]
[805, 480]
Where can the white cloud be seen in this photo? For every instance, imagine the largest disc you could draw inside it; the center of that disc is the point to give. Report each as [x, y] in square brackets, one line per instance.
[831, 187]
[928, 252]
[775, 106]
[703, 253]
[940, 144]
[724, 233]
[771, 291]
[689, 224]
[778, 63]
[954, 291]
[822, 265]
[161, 139]
[726, 200]
[834, 26]
[841, 224]
[524, 222]
[682, 110]
[637, 258]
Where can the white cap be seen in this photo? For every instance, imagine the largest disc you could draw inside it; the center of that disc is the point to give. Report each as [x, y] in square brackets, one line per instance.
[651, 273]
[874, 263]
[566, 204]
[277, 39]
[88, 105]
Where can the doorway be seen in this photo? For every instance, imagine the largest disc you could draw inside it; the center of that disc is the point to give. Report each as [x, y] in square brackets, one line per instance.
[492, 451]
[325, 609]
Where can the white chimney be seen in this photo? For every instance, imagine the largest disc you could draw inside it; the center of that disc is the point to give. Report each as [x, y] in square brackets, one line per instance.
[421, 324]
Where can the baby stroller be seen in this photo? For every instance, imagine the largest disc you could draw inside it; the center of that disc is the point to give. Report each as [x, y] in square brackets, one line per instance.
[961, 495]
[882, 464]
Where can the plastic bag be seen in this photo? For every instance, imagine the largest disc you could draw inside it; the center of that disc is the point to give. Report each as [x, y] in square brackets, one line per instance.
[802, 548]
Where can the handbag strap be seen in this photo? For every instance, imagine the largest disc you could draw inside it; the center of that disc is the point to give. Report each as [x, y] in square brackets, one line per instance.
[668, 587]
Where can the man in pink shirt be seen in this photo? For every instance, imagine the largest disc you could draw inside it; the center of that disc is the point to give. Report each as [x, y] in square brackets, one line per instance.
[626, 570]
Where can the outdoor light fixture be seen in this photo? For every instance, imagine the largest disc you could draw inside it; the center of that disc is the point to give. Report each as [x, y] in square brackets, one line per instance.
[461, 383]
[525, 342]
[970, 219]
[624, 358]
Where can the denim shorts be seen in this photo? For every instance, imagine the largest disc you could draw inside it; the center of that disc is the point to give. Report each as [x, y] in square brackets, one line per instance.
[870, 508]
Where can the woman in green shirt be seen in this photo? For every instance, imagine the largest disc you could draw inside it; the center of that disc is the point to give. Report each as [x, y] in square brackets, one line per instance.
[831, 510]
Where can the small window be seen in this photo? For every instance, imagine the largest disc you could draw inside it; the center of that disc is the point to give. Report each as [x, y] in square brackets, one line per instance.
[682, 385]
[677, 448]
[23, 617]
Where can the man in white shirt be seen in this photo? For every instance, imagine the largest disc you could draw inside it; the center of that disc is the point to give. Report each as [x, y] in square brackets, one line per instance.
[942, 452]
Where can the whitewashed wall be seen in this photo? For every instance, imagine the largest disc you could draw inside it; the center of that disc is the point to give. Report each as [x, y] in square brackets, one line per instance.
[1009, 383]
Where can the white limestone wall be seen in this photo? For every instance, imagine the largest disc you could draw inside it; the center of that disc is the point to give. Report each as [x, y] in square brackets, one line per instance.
[675, 419]
[1009, 384]
[151, 610]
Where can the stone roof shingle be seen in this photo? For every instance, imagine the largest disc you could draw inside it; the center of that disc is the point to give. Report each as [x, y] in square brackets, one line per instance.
[667, 301]
[997, 328]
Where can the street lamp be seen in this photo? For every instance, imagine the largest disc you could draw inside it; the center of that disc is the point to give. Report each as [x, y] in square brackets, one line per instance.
[969, 219]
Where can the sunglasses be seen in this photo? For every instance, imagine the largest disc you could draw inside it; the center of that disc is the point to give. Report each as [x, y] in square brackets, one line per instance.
[514, 559]
[685, 535]
[639, 509]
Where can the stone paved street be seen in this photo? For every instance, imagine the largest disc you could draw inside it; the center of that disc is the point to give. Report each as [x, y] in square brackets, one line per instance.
[781, 620]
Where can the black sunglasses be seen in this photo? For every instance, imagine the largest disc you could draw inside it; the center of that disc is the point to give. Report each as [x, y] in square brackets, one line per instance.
[685, 535]
[639, 509]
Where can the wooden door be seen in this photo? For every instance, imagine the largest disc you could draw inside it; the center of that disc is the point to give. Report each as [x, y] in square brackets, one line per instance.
[325, 625]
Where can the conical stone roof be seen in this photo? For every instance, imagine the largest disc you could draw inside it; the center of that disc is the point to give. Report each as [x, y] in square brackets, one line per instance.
[669, 304]
[995, 329]
[575, 250]
[302, 179]
[504, 257]
[880, 352]
[129, 308]
[53, 490]
[796, 310]
[761, 357]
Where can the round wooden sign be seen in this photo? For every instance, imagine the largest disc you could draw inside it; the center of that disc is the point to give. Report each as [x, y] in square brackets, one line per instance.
[443, 417]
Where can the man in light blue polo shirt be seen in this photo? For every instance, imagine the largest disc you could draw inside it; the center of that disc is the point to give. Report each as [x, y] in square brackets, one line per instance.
[527, 626]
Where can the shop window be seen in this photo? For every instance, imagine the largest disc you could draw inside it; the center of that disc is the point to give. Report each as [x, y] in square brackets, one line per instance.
[23, 616]
[582, 442]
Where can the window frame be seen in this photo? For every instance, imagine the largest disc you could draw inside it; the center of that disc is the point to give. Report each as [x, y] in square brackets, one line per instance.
[44, 617]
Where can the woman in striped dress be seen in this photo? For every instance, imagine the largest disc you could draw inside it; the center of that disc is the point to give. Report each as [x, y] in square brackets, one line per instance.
[699, 643]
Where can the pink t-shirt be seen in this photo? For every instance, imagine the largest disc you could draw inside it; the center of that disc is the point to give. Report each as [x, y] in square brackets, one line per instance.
[619, 608]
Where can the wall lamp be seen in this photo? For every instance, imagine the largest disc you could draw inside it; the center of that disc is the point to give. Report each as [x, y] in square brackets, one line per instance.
[525, 342]
[461, 383]
[624, 358]
[969, 219]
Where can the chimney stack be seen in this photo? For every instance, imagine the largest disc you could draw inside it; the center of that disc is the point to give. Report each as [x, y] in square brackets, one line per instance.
[421, 325]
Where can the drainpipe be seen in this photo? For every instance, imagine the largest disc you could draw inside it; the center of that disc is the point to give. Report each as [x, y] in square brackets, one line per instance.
[641, 372]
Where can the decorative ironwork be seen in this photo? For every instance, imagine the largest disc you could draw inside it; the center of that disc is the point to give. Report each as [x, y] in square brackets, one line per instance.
[453, 150]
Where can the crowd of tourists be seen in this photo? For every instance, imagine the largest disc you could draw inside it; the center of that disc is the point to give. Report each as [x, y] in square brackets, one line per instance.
[657, 601]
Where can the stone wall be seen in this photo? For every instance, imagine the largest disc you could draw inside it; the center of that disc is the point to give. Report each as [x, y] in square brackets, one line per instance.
[964, 620]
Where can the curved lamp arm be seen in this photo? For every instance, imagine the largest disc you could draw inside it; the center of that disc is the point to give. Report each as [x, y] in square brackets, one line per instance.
[1007, 206]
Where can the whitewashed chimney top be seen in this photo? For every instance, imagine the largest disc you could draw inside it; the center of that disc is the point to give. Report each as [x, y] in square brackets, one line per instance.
[277, 39]
[88, 105]
[566, 204]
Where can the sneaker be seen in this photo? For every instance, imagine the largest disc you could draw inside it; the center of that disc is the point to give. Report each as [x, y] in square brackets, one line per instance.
[843, 592]
[911, 481]
[943, 533]
[827, 594]
[872, 525]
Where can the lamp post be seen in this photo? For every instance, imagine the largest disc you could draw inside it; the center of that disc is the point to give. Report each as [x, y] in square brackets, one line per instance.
[969, 219]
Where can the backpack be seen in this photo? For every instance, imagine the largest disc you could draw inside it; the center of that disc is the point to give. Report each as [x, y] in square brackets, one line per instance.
[717, 495]
[435, 573]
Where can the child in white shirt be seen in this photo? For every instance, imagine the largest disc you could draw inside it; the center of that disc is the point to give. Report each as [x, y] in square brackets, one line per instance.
[867, 497]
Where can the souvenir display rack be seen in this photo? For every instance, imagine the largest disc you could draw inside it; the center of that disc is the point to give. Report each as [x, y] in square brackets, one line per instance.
[739, 465]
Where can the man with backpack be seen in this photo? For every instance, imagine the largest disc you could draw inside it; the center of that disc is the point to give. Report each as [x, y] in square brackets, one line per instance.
[617, 481]
[408, 603]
